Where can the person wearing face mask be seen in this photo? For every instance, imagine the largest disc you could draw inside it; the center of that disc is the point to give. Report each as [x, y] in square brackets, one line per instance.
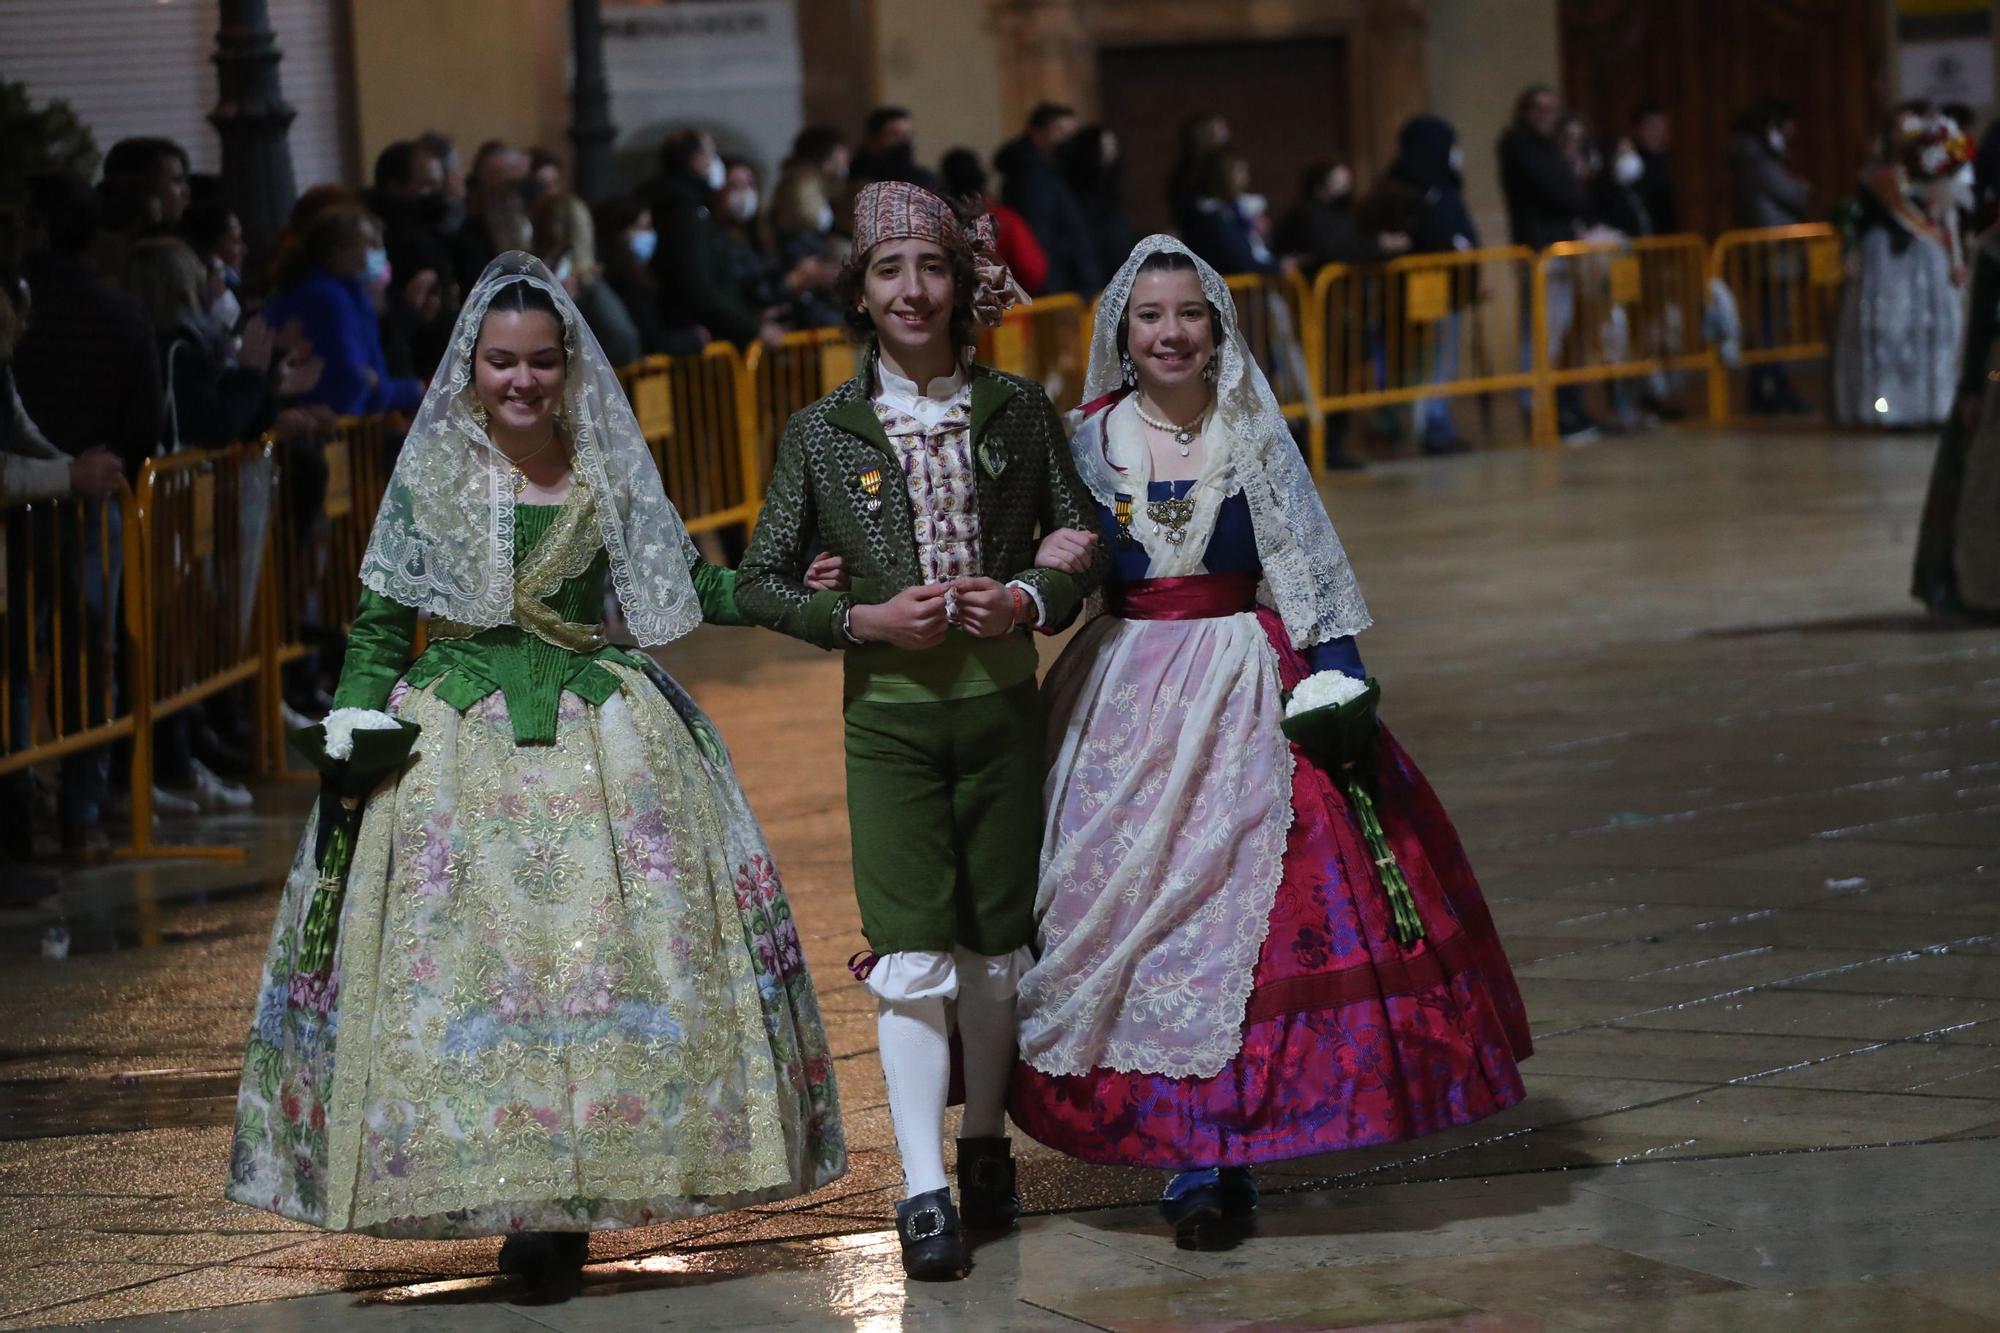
[1324, 228]
[1229, 222]
[1422, 197]
[1768, 195]
[496, 210]
[888, 150]
[691, 263]
[627, 243]
[566, 241]
[1032, 186]
[802, 214]
[408, 197]
[762, 273]
[1652, 138]
[329, 277]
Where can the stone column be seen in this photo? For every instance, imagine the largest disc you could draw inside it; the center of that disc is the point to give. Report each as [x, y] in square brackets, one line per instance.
[1047, 55]
[1389, 59]
[252, 118]
[590, 130]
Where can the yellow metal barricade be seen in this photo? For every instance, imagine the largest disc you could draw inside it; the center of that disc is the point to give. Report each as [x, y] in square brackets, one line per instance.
[796, 373]
[1272, 311]
[195, 569]
[62, 584]
[698, 414]
[1047, 341]
[1786, 283]
[1421, 326]
[1615, 311]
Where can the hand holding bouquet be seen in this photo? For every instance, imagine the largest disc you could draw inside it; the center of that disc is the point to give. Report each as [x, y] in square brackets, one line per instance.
[1331, 716]
[353, 751]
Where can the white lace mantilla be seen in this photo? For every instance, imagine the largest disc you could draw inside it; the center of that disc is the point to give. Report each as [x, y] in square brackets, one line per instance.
[1306, 573]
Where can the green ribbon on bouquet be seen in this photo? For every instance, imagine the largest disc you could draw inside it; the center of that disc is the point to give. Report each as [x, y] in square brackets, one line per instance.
[345, 785]
[1341, 737]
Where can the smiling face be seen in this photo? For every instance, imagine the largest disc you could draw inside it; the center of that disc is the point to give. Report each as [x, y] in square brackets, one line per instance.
[908, 290]
[1169, 329]
[518, 369]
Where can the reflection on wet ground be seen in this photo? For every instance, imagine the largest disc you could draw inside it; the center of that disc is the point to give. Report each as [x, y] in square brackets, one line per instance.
[1738, 814]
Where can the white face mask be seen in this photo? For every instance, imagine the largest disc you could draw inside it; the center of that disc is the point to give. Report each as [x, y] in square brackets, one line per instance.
[1457, 158]
[718, 175]
[643, 245]
[743, 205]
[565, 269]
[1252, 205]
[825, 219]
[1776, 138]
[226, 311]
[1629, 167]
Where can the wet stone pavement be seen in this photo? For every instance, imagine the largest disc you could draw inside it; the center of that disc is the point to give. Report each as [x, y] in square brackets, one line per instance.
[1737, 809]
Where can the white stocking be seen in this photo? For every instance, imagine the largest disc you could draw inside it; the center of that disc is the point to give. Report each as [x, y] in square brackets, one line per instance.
[916, 1064]
[986, 1040]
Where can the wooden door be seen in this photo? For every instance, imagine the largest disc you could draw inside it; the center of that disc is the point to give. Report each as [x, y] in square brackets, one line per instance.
[1707, 60]
[1285, 101]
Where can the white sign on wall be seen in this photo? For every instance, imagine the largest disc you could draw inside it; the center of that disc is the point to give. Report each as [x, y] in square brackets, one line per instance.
[1956, 69]
[729, 66]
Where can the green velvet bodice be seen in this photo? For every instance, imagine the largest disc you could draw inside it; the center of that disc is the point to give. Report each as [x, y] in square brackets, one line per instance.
[530, 672]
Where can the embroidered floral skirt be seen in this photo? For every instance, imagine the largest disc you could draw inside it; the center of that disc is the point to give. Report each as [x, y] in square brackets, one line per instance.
[567, 994]
[1348, 1039]
[1902, 321]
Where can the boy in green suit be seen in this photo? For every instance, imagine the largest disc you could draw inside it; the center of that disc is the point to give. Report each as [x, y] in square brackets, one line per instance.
[933, 477]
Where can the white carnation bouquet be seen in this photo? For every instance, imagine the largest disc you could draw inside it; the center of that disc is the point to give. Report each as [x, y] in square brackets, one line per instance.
[1332, 717]
[353, 750]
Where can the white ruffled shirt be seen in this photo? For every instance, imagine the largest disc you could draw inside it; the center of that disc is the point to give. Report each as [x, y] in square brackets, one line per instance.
[938, 471]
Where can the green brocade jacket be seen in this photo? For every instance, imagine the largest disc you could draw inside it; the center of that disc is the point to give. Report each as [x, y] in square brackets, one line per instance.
[558, 649]
[837, 485]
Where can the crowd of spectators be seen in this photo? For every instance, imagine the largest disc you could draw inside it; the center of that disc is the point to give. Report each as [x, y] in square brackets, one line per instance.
[133, 324]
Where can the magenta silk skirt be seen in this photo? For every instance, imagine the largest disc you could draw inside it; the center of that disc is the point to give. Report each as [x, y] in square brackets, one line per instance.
[1349, 1039]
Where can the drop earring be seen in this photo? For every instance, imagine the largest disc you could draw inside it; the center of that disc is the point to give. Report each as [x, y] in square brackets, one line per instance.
[1212, 372]
[1127, 369]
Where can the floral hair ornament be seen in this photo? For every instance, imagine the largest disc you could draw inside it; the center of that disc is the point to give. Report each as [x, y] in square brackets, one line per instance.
[897, 211]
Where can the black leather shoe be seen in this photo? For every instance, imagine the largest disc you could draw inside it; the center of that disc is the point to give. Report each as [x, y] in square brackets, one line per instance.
[928, 1227]
[1238, 1187]
[549, 1262]
[986, 1197]
[1198, 1220]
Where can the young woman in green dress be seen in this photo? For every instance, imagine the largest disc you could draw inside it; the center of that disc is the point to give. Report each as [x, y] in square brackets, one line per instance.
[566, 993]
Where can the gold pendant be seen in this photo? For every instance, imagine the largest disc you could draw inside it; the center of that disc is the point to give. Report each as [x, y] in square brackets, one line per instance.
[1173, 515]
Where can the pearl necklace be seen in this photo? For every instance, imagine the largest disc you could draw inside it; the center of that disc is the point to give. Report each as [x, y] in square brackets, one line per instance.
[1184, 436]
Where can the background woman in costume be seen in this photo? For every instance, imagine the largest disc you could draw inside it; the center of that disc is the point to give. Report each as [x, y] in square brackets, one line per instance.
[1958, 546]
[566, 992]
[1221, 980]
[1896, 358]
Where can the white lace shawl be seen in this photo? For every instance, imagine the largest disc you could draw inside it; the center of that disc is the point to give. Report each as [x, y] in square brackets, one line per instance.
[1306, 574]
[444, 538]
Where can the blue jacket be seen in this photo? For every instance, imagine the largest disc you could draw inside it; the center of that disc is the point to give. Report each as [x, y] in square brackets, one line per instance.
[338, 317]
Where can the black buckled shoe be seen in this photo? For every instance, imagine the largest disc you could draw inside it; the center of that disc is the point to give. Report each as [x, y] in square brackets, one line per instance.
[549, 1262]
[1238, 1186]
[986, 1196]
[1197, 1217]
[928, 1227]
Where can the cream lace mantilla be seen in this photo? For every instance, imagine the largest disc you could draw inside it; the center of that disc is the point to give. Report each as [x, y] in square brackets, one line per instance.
[444, 537]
